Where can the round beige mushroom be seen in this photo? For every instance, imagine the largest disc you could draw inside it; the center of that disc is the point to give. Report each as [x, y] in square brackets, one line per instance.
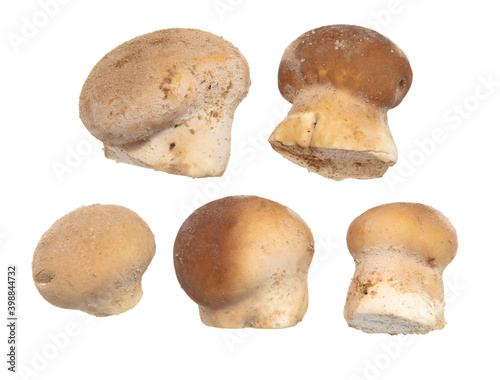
[244, 260]
[166, 101]
[341, 80]
[400, 251]
[93, 260]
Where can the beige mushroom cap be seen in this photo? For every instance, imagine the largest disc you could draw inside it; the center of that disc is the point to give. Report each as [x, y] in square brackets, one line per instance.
[418, 228]
[146, 84]
[93, 259]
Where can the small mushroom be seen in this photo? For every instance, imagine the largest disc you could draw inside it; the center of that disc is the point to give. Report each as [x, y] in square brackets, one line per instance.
[341, 80]
[400, 251]
[244, 260]
[93, 260]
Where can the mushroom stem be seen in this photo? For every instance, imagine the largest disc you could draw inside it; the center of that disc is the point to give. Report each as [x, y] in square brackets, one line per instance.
[112, 301]
[281, 304]
[197, 146]
[343, 133]
[394, 291]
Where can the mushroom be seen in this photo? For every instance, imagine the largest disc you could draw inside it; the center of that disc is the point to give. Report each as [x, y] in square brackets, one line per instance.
[341, 80]
[166, 101]
[244, 260]
[93, 259]
[400, 251]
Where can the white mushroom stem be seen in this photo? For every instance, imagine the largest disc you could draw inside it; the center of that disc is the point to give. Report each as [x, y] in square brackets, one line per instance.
[395, 291]
[280, 302]
[196, 146]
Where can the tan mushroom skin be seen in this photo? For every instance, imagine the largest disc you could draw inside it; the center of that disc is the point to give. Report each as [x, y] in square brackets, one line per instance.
[166, 101]
[93, 260]
[341, 81]
[244, 260]
[400, 251]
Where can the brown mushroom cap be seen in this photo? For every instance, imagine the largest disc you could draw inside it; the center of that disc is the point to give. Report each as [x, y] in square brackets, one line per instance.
[346, 57]
[417, 228]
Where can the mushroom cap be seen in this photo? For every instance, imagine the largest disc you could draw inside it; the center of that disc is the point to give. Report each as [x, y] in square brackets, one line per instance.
[226, 249]
[347, 57]
[146, 84]
[90, 256]
[416, 228]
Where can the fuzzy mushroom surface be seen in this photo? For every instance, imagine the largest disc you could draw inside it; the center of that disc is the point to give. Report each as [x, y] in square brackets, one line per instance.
[341, 81]
[244, 260]
[166, 100]
[93, 260]
[400, 251]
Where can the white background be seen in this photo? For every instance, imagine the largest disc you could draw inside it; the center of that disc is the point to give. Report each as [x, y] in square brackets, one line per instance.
[454, 52]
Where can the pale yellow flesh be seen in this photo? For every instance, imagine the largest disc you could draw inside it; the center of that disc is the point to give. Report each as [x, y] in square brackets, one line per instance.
[337, 135]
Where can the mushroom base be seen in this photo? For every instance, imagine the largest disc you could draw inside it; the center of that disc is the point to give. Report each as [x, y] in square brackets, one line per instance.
[281, 308]
[395, 293]
[113, 303]
[337, 164]
[114, 299]
[384, 309]
[381, 323]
